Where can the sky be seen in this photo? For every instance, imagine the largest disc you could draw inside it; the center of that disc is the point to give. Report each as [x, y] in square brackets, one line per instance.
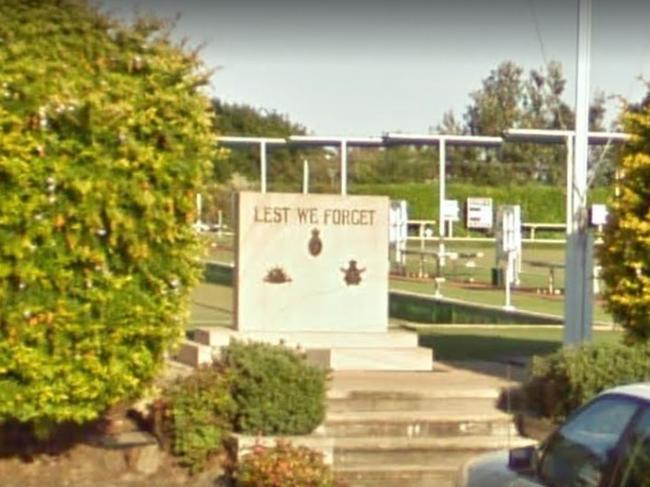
[361, 68]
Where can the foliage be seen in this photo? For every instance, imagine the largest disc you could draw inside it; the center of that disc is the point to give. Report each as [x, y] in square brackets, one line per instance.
[275, 390]
[104, 140]
[197, 411]
[510, 99]
[284, 465]
[625, 253]
[244, 120]
[540, 203]
[563, 381]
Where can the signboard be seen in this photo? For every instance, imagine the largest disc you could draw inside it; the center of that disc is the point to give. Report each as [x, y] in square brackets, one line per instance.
[451, 211]
[479, 213]
[598, 215]
[311, 262]
[398, 222]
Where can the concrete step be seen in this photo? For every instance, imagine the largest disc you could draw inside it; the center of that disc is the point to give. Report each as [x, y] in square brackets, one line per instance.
[220, 337]
[446, 452]
[418, 424]
[368, 359]
[342, 405]
[404, 475]
[193, 354]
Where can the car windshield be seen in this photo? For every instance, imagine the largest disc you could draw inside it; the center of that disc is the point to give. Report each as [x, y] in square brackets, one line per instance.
[581, 450]
[636, 454]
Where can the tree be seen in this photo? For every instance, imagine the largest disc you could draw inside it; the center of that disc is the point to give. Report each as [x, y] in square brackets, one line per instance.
[285, 165]
[507, 99]
[625, 253]
[105, 137]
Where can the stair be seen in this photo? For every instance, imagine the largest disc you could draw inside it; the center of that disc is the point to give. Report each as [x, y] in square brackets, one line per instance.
[414, 429]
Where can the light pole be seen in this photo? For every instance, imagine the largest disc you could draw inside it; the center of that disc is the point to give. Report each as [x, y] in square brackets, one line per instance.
[579, 256]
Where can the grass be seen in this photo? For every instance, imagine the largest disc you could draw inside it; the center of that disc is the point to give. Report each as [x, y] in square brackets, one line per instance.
[553, 305]
[498, 343]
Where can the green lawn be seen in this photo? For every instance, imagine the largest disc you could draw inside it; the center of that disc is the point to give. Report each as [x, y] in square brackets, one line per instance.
[499, 343]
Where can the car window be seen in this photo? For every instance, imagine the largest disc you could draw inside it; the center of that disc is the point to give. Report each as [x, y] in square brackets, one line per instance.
[636, 454]
[580, 452]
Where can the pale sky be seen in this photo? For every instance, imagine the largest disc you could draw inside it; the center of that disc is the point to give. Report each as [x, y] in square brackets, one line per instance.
[367, 67]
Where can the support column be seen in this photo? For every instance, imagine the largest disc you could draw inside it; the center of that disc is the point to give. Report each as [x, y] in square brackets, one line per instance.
[441, 199]
[263, 167]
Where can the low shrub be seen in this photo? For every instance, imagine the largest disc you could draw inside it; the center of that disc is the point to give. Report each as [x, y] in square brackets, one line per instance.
[563, 381]
[275, 390]
[196, 415]
[284, 465]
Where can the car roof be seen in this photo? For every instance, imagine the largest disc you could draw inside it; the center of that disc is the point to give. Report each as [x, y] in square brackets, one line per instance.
[639, 390]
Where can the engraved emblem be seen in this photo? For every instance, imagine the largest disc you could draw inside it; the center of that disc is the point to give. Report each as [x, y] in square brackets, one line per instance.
[277, 275]
[352, 275]
[315, 243]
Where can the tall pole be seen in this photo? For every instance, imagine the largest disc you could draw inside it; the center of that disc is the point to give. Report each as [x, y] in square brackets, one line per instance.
[442, 156]
[579, 254]
[344, 167]
[263, 166]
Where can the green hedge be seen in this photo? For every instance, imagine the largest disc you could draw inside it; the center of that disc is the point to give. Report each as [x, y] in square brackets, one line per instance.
[276, 392]
[539, 203]
[565, 380]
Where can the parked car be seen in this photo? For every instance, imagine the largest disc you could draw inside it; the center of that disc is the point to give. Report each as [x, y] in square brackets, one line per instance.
[606, 443]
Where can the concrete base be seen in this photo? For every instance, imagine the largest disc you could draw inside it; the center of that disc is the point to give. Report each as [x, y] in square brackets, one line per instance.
[404, 359]
[390, 351]
[220, 337]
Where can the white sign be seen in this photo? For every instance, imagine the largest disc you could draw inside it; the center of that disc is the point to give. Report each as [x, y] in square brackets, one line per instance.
[479, 213]
[451, 211]
[398, 222]
[598, 215]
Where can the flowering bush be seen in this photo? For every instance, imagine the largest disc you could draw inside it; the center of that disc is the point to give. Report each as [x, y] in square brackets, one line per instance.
[275, 390]
[284, 465]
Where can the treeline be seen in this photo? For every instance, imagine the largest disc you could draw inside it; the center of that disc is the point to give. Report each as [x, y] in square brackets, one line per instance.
[508, 97]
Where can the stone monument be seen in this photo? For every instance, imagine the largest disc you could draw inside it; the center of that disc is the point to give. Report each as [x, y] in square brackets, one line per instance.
[311, 271]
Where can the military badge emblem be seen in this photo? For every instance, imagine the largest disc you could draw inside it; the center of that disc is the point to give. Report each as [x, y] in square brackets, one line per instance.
[352, 275]
[315, 243]
[277, 275]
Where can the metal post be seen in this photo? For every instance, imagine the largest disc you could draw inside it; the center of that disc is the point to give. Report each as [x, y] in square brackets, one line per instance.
[344, 167]
[579, 290]
[263, 166]
[569, 183]
[305, 177]
[441, 185]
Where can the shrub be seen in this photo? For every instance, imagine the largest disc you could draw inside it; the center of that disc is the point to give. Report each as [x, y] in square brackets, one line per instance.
[284, 465]
[563, 381]
[196, 416]
[275, 390]
[104, 140]
[625, 253]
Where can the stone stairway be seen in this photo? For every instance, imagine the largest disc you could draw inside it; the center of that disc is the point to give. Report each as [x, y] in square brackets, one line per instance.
[414, 429]
[395, 428]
